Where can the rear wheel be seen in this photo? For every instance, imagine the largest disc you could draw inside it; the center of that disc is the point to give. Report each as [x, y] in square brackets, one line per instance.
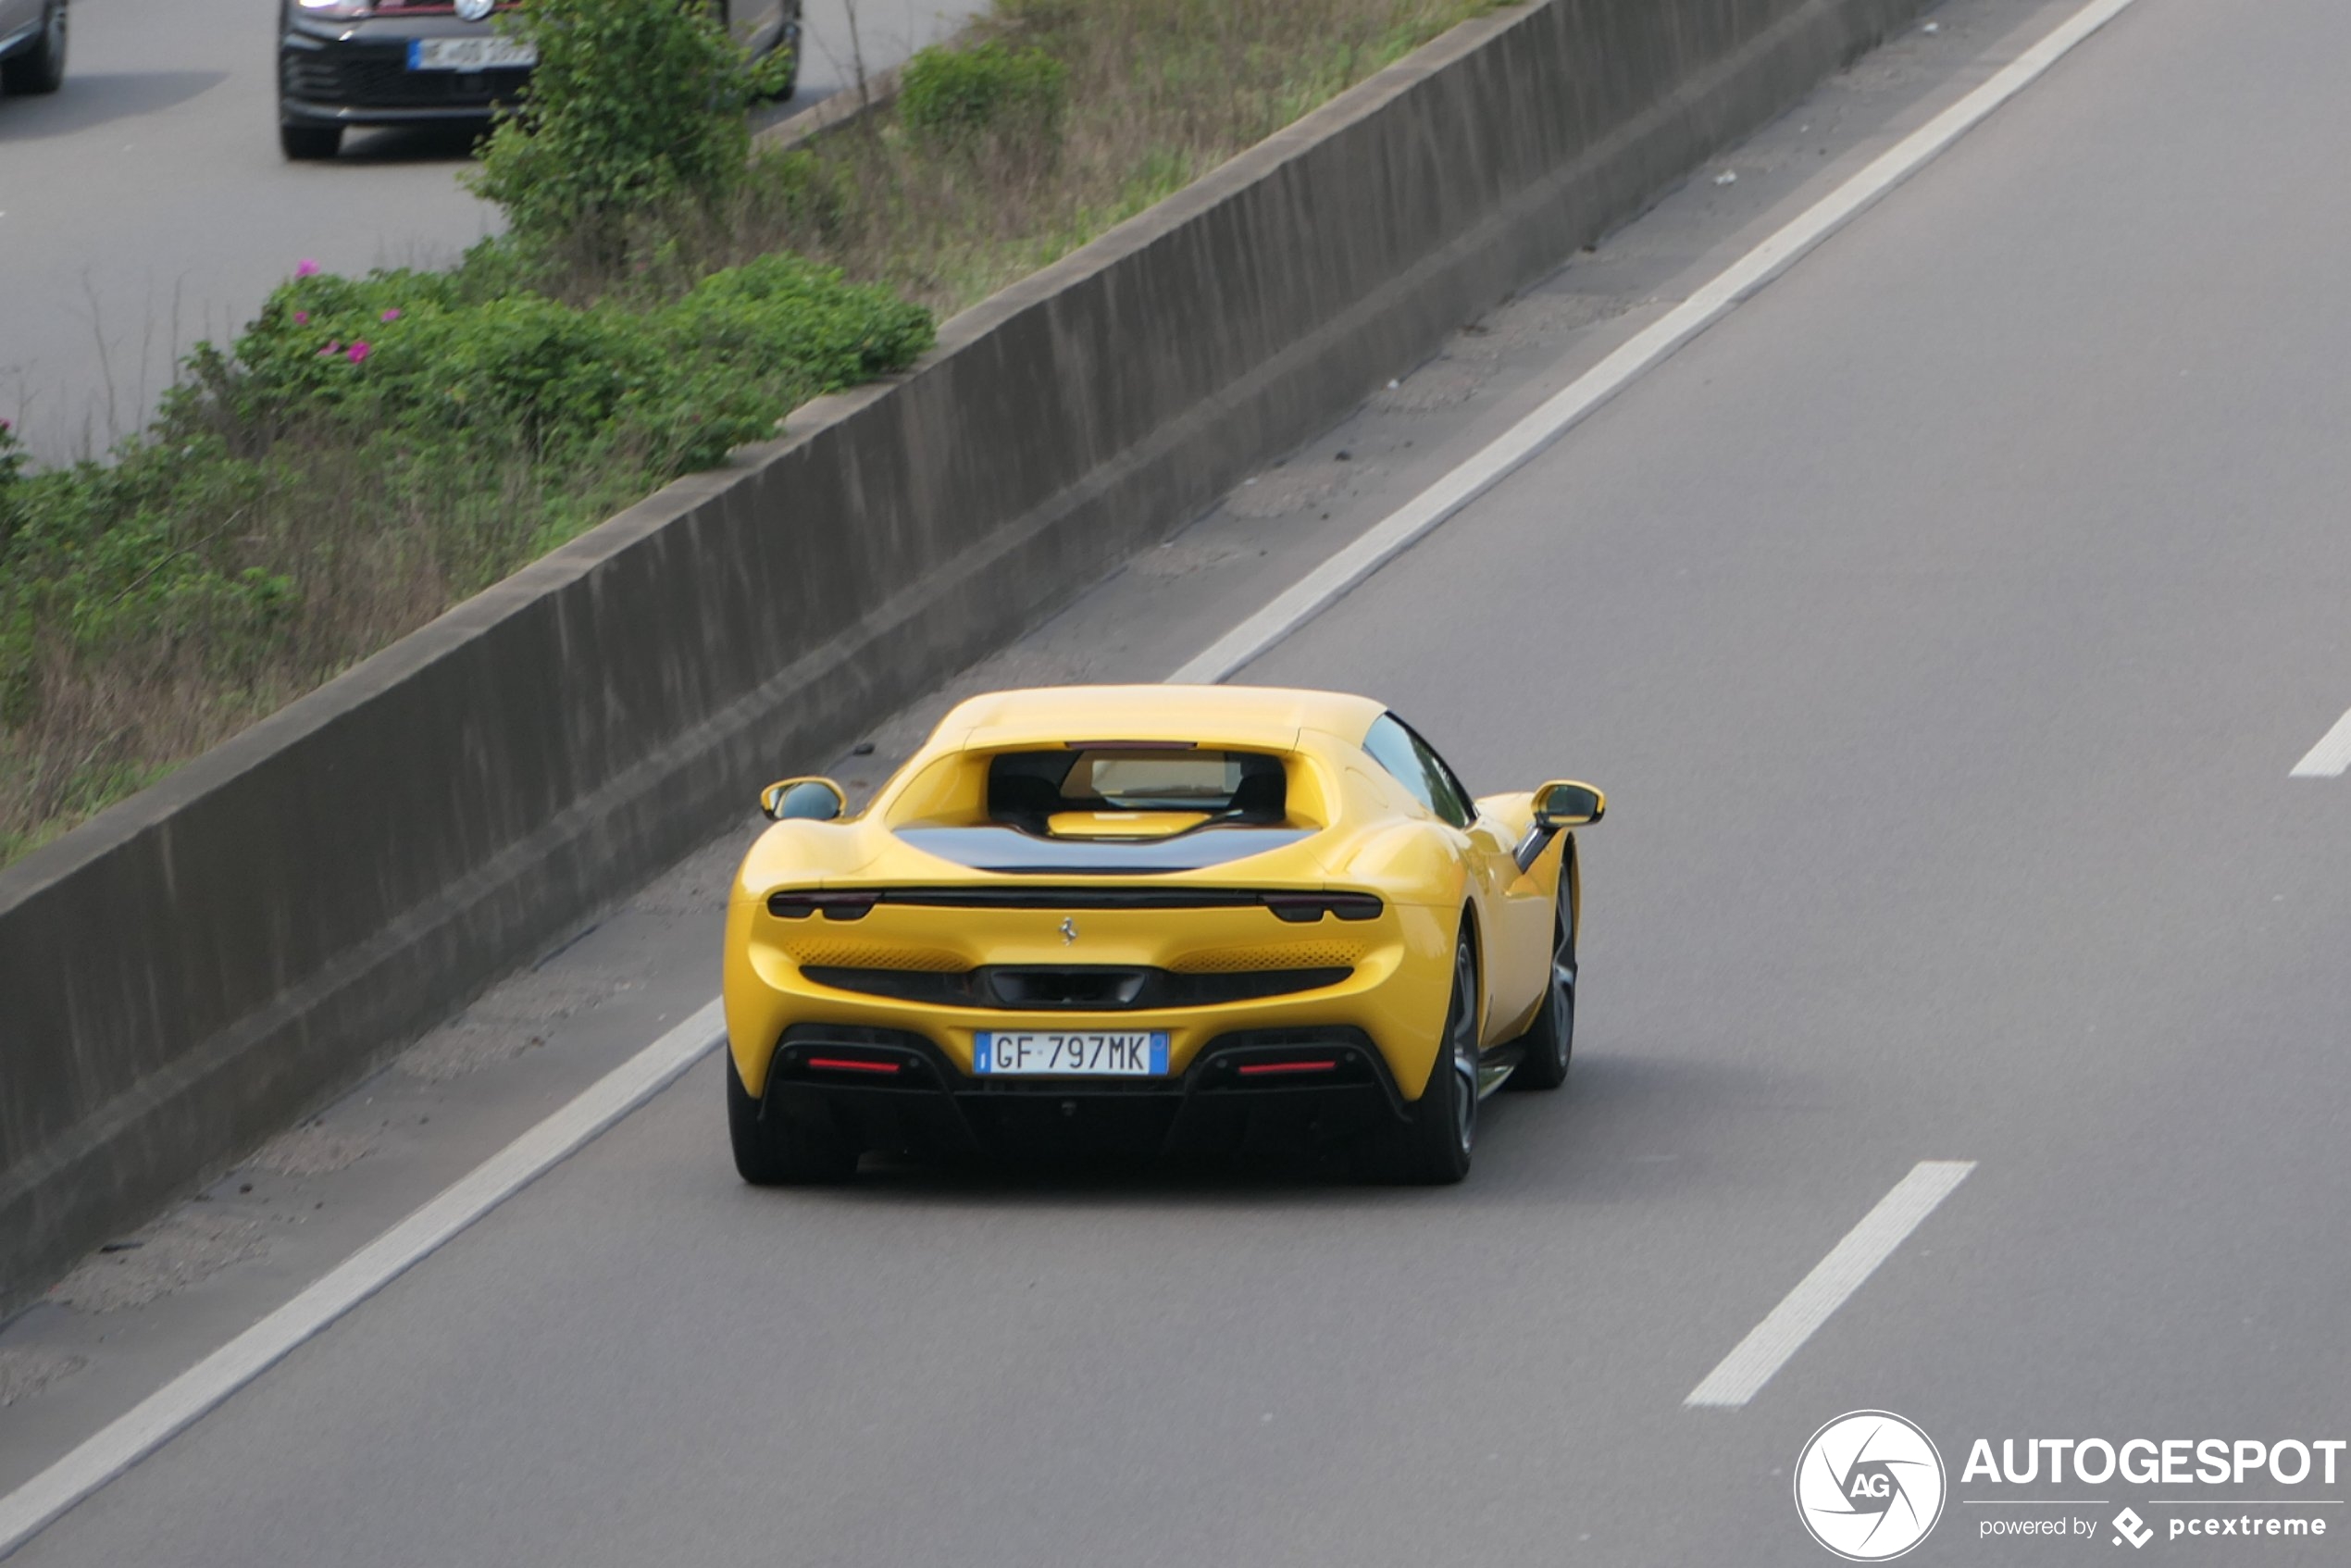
[302, 144]
[772, 1152]
[1433, 1150]
[1550, 1039]
[40, 68]
[789, 83]
[786, 43]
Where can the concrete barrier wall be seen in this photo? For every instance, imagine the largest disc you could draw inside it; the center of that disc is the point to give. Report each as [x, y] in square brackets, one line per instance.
[186, 973]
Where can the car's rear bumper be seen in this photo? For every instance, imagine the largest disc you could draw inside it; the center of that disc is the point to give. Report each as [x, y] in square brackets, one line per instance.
[893, 1089]
[356, 73]
[1398, 972]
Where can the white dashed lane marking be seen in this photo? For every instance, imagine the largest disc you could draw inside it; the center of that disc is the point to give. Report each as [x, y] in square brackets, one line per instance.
[2330, 757]
[1849, 1263]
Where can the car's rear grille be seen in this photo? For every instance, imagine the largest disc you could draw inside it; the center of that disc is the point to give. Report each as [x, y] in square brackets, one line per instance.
[350, 76]
[1090, 988]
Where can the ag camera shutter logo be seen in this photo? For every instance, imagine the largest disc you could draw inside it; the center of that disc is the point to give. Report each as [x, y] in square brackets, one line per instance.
[1869, 1486]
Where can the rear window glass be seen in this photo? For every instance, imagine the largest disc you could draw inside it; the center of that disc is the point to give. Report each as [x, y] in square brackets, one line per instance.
[1022, 786]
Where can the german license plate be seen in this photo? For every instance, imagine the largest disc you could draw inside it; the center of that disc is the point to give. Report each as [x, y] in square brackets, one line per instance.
[1043, 1053]
[490, 51]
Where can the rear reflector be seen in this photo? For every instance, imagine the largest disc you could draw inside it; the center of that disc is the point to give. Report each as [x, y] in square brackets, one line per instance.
[849, 1065]
[1261, 1070]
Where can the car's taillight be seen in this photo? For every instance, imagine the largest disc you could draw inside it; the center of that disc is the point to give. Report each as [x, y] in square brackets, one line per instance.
[1304, 909]
[341, 10]
[833, 905]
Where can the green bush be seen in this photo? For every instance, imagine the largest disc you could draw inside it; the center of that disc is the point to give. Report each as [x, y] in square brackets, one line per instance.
[956, 98]
[428, 354]
[369, 450]
[633, 109]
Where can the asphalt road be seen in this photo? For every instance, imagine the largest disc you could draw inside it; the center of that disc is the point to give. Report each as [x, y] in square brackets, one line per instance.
[1945, 624]
[145, 204]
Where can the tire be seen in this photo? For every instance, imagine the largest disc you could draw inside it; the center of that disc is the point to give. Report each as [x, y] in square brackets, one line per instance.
[788, 44]
[791, 84]
[1549, 1042]
[305, 143]
[1433, 1148]
[770, 1151]
[40, 68]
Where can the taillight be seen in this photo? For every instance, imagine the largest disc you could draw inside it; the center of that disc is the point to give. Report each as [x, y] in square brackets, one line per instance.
[1304, 909]
[833, 905]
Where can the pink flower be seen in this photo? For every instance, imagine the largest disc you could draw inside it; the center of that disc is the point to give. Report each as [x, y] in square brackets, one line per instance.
[301, 318]
[391, 314]
[358, 352]
[332, 347]
[304, 267]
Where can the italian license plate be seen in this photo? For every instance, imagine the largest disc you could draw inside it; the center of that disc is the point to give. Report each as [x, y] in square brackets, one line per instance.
[1043, 1053]
[488, 51]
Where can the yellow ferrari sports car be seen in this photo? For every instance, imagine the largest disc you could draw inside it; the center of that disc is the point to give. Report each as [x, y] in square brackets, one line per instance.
[1149, 919]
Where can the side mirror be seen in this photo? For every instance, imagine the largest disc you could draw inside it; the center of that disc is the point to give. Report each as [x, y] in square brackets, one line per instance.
[803, 800]
[1565, 803]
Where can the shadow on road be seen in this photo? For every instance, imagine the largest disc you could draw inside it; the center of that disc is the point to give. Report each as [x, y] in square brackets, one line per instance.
[1636, 1128]
[94, 98]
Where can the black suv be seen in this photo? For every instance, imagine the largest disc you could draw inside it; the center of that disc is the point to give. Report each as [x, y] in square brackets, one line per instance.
[32, 45]
[409, 62]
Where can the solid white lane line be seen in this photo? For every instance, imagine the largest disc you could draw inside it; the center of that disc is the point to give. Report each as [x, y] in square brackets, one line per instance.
[154, 1420]
[1770, 1344]
[2330, 757]
[1332, 580]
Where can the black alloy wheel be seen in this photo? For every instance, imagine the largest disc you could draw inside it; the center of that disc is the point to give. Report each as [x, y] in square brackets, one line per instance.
[40, 68]
[1433, 1148]
[1549, 1042]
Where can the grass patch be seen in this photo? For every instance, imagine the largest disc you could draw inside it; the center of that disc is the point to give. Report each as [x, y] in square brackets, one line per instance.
[370, 452]
[990, 175]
